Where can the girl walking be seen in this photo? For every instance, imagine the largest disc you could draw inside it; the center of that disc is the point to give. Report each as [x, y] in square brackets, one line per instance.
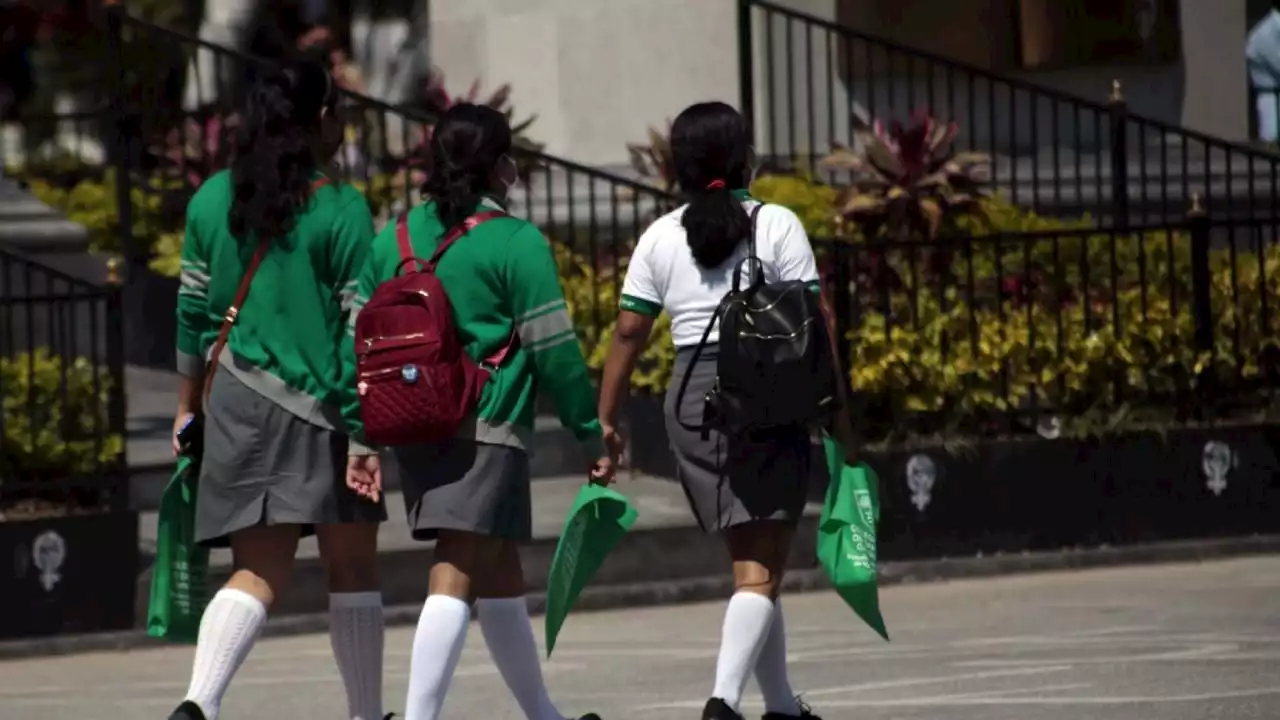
[272, 250]
[471, 494]
[751, 490]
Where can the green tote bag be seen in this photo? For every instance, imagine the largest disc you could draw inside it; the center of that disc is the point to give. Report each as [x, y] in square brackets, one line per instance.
[598, 519]
[179, 589]
[847, 535]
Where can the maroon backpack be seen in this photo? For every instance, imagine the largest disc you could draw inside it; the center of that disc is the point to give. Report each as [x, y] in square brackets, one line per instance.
[415, 381]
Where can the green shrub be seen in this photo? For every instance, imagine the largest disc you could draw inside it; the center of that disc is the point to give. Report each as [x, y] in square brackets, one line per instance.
[54, 413]
[92, 204]
[1059, 321]
[592, 297]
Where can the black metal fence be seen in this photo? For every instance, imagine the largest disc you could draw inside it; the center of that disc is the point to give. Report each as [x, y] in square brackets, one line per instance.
[1065, 331]
[590, 215]
[62, 386]
[1068, 331]
[803, 79]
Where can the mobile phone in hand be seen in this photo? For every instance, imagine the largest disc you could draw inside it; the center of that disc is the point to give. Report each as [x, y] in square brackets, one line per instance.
[190, 436]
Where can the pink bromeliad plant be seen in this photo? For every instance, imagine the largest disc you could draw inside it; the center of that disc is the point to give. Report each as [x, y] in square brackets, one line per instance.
[907, 180]
[434, 100]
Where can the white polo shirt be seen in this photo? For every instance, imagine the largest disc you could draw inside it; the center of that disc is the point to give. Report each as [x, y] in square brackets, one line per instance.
[663, 275]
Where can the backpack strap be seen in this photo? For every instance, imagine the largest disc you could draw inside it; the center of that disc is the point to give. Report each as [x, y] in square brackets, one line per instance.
[242, 292]
[752, 260]
[407, 257]
[688, 371]
[406, 246]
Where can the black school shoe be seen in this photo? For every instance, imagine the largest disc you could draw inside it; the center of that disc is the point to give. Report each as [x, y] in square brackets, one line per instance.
[717, 709]
[805, 714]
[590, 716]
[187, 711]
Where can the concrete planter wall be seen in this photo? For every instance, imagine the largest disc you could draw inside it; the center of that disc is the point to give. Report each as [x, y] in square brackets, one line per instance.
[1018, 495]
[68, 575]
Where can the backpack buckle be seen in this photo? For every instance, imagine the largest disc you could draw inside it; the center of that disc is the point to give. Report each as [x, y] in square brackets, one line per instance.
[710, 410]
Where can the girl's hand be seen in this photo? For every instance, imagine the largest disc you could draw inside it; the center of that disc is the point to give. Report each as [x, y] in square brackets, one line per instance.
[364, 476]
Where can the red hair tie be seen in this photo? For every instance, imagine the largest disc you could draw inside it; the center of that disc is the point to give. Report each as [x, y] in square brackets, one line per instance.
[716, 185]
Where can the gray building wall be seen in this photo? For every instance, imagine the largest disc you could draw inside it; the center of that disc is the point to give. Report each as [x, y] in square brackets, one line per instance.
[598, 72]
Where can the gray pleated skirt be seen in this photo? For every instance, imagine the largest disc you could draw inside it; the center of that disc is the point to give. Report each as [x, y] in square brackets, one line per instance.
[732, 481]
[263, 465]
[466, 486]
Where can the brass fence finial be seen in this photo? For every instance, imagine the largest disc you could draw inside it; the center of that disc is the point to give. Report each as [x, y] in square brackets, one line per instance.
[1117, 95]
[113, 270]
[1197, 208]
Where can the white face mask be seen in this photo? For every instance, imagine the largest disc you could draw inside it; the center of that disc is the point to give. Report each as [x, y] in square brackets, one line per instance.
[510, 178]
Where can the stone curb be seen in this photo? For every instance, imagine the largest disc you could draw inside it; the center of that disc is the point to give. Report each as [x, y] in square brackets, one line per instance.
[711, 588]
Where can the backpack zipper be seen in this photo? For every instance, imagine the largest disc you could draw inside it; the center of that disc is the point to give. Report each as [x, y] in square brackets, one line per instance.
[368, 343]
[781, 336]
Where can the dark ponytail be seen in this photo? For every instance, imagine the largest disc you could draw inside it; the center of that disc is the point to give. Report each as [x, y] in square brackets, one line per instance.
[709, 147]
[275, 159]
[466, 146]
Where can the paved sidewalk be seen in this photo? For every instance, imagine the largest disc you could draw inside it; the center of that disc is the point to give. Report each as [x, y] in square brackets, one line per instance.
[1172, 642]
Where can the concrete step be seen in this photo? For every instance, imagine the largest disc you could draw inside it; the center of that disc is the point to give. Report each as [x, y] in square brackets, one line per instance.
[33, 228]
[664, 547]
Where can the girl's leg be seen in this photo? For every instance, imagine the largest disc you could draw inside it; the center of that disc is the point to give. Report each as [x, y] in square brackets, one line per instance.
[263, 558]
[349, 552]
[504, 621]
[758, 552]
[771, 671]
[771, 666]
[442, 627]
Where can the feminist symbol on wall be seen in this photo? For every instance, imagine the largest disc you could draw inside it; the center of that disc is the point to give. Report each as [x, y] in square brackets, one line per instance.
[921, 475]
[48, 552]
[1216, 462]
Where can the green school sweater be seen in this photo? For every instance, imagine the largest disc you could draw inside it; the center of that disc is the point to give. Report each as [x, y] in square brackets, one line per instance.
[286, 343]
[501, 275]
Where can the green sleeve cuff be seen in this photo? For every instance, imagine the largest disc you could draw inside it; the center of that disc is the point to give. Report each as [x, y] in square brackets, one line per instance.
[814, 286]
[631, 303]
[355, 447]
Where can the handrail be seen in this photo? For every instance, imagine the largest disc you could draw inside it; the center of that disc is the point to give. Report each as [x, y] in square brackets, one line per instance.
[1010, 81]
[9, 256]
[382, 106]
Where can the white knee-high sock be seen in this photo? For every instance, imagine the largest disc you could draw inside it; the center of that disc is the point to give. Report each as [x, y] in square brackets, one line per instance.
[771, 669]
[230, 625]
[437, 646]
[507, 632]
[746, 626]
[356, 634]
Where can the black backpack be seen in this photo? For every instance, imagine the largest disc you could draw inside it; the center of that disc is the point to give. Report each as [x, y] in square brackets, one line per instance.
[775, 367]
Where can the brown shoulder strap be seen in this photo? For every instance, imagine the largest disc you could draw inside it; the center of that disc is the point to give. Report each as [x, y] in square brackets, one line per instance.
[242, 292]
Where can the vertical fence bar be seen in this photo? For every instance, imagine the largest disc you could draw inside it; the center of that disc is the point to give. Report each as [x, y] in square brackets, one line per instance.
[120, 121]
[1201, 278]
[1119, 116]
[114, 351]
[746, 66]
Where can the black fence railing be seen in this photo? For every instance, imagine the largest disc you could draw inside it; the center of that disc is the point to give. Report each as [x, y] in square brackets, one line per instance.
[1069, 331]
[591, 216]
[808, 83]
[134, 202]
[62, 386]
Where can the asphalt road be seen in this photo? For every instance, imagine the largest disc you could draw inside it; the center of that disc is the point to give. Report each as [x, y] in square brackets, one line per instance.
[1174, 642]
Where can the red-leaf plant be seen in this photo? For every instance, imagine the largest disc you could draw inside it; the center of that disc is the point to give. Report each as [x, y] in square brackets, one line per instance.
[434, 100]
[905, 184]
